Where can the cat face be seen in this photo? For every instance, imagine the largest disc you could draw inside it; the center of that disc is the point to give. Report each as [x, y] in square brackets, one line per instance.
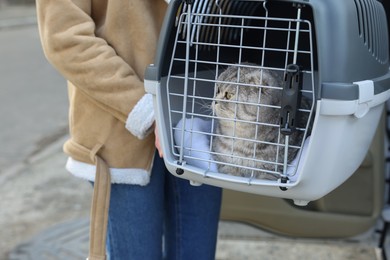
[242, 93]
[234, 101]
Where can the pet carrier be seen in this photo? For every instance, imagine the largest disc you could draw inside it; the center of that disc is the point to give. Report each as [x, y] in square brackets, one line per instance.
[279, 98]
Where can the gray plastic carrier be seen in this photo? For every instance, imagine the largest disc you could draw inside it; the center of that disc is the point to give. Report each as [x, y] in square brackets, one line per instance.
[333, 53]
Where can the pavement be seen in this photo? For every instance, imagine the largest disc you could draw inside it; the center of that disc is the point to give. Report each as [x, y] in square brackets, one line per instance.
[44, 211]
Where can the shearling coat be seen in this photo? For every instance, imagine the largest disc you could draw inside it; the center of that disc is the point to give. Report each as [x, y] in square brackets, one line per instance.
[102, 48]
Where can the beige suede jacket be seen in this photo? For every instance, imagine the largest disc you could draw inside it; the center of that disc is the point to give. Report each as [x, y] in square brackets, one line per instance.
[102, 48]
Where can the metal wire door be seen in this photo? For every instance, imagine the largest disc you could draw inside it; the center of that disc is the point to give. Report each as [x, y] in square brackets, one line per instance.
[214, 35]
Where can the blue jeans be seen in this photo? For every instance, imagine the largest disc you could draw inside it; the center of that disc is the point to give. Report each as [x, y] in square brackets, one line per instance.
[167, 219]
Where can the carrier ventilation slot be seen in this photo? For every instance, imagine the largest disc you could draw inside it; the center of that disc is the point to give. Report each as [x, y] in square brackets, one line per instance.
[206, 14]
[372, 30]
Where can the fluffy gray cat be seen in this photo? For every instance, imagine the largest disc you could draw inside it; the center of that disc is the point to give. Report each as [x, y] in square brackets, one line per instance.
[247, 109]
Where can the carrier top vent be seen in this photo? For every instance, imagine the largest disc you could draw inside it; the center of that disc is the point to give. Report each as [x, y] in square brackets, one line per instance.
[372, 29]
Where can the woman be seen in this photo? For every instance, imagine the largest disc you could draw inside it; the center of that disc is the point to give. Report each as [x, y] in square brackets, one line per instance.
[102, 48]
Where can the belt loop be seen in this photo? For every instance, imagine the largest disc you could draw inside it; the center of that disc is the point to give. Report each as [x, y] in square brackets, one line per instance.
[94, 151]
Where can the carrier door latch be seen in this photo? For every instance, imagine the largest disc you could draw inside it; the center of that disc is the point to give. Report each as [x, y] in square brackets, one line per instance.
[290, 99]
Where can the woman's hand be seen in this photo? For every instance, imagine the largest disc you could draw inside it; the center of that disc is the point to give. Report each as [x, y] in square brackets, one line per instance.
[157, 141]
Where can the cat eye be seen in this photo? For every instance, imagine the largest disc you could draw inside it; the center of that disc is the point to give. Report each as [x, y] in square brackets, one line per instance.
[228, 95]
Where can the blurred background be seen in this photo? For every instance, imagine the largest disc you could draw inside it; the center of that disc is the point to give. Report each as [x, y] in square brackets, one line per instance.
[16, 2]
[35, 190]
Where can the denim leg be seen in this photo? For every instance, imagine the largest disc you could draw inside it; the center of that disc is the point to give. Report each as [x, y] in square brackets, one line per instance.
[192, 216]
[136, 218]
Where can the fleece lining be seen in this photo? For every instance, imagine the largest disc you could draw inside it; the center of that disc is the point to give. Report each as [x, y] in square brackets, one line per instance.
[141, 117]
[118, 175]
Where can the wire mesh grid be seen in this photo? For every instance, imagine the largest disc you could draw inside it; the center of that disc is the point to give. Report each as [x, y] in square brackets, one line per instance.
[216, 49]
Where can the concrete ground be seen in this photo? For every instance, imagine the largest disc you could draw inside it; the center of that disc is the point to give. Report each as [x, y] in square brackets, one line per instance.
[44, 211]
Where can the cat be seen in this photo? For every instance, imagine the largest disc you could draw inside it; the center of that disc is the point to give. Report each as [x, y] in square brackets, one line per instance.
[247, 112]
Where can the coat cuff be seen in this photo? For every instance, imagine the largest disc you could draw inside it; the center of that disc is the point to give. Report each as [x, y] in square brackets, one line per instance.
[141, 118]
[118, 175]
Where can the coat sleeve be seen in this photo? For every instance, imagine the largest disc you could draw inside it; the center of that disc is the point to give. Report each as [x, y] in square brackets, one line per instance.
[67, 33]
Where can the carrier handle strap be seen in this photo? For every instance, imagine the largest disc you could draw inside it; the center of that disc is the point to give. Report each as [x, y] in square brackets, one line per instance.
[99, 211]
